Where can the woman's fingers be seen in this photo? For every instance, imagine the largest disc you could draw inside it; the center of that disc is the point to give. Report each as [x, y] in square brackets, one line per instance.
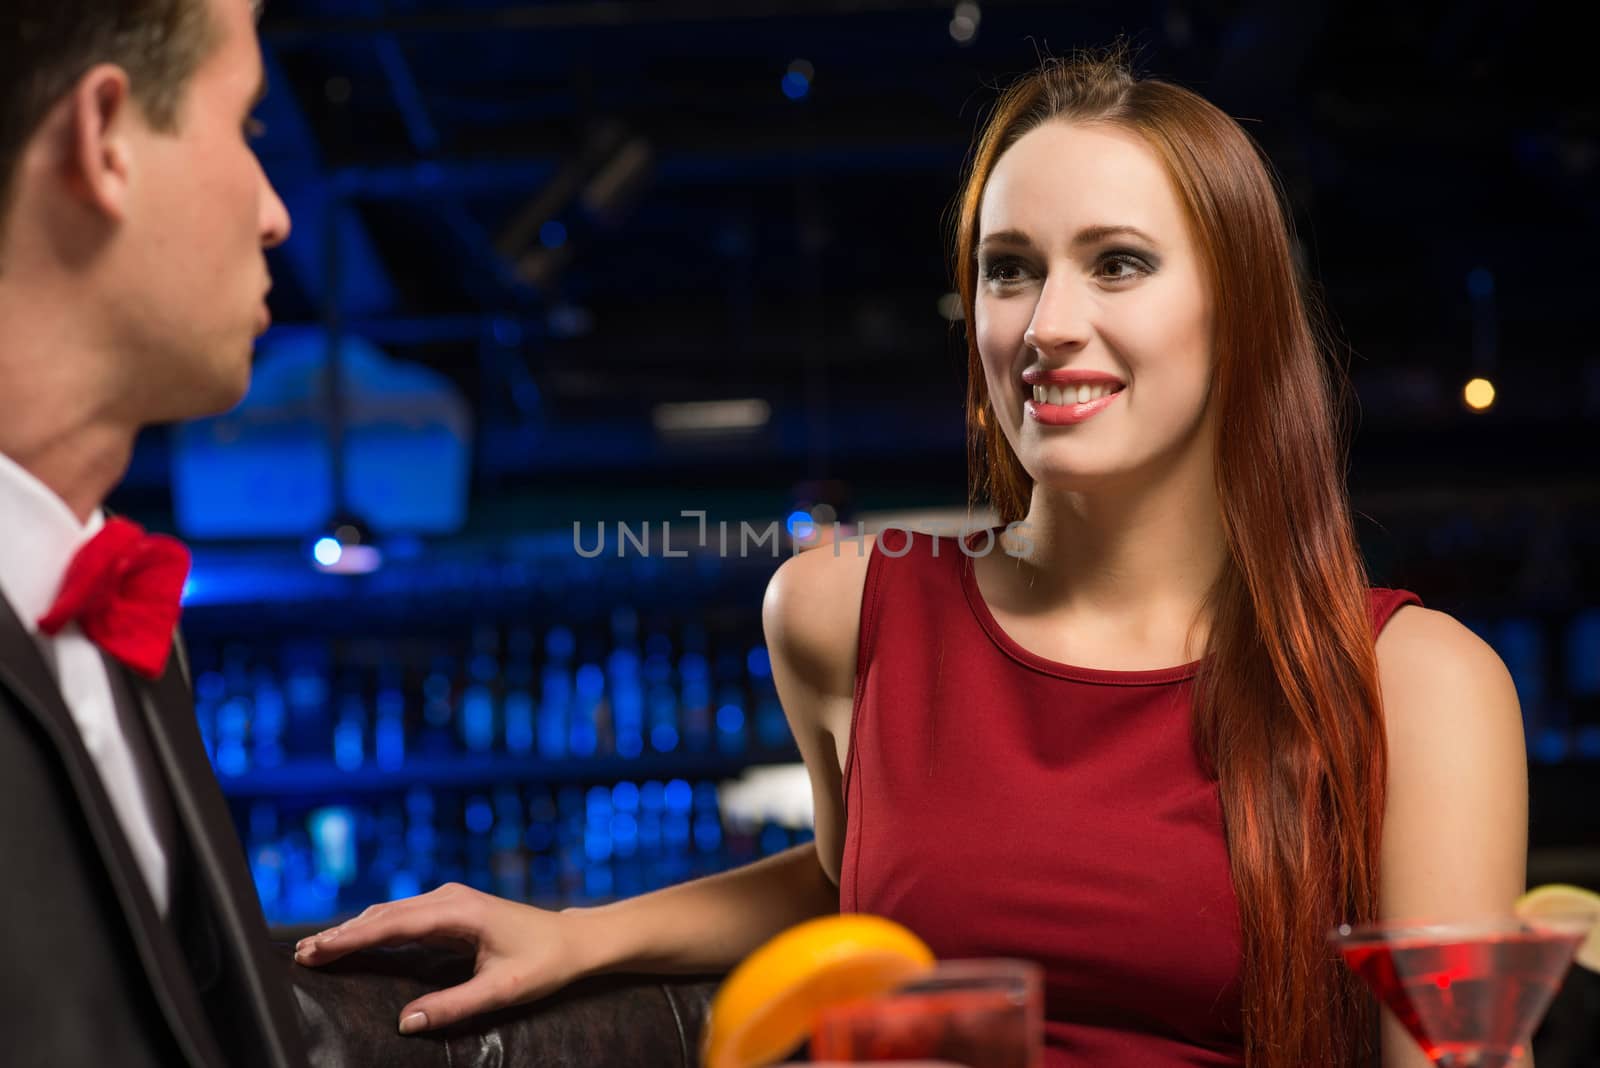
[491, 989]
[451, 912]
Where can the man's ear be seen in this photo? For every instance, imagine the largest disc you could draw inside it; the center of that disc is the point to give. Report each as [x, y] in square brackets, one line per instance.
[102, 120]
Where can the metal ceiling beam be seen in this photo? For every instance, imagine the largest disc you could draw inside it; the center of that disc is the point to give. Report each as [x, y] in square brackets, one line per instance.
[597, 14]
[292, 159]
[475, 177]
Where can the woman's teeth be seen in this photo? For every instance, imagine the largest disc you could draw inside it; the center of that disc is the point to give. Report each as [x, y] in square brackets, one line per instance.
[1071, 394]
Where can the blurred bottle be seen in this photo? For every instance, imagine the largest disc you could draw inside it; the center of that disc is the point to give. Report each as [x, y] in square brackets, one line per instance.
[266, 861]
[389, 734]
[333, 837]
[307, 691]
[477, 706]
[271, 717]
[233, 727]
[584, 729]
[695, 678]
[438, 709]
[209, 690]
[478, 727]
[555, 694]
[597, 848]
[508, 862]
[350, 732]
[478, 817]
[627, 702]
[732, 737]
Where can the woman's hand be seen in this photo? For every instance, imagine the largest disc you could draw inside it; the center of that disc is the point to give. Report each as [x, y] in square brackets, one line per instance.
[523, 953]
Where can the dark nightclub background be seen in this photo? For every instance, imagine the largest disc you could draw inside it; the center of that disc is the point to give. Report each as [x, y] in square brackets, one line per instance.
[604, 264]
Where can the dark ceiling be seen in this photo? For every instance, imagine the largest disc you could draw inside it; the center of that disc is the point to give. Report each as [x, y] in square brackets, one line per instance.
[718, 239]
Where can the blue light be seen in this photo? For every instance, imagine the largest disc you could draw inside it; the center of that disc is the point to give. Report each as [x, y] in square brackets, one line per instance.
[232, 759]
[597, 882]
[1549, 746]
[477, 719]
[730, 719]
[327, 551]
[559, 643]
[508, 332]
[693, 667]
[583, 739]
[404, 884]
[1480, 282]
[553, 234]
[663, 738]
[707, 833]
[758, 663]
[347, 747]
[480, 816]
[333, 831]
[211, 685]
[774, 839]
[519, 722]
[389, 742]
[591, 681]
[679, 796]
[796, 85]
[597, 842]
[800, 525]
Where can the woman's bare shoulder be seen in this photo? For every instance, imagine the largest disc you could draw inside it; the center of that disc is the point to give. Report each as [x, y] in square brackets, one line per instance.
[1455, 821]
[812, 613]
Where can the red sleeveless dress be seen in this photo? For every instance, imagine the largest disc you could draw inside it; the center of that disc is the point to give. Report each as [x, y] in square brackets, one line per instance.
[1000, 804]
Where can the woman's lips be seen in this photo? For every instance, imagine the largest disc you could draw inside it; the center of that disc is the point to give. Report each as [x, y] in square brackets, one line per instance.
[1067, 414]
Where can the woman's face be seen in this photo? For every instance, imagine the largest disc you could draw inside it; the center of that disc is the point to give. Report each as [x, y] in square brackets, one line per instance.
[1093, 317]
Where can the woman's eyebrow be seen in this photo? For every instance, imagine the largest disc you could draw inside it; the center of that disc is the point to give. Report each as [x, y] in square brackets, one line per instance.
[1089, 235]
[1093, 235]
[1005, 237]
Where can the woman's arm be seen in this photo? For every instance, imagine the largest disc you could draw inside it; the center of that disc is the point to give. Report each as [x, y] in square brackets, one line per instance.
[810, 616]
[1455, 834]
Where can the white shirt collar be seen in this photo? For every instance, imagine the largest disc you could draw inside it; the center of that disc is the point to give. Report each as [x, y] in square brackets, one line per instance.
[39, 536]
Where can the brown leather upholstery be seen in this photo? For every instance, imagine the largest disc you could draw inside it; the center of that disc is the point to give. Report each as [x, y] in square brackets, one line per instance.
[350, 1010]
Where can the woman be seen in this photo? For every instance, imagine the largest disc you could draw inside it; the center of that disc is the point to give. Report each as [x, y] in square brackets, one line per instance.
[1153, 743]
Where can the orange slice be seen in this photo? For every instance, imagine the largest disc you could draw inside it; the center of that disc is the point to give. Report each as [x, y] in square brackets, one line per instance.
[1558, 899]
[766, 1005]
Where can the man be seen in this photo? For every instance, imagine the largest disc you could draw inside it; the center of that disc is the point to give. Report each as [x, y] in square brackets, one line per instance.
[133, 222]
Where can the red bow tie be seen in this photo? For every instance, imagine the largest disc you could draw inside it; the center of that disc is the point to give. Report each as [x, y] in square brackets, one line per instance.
[123, 589]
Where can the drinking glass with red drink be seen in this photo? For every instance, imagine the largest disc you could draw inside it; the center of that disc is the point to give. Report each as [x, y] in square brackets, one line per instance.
[975, 1013]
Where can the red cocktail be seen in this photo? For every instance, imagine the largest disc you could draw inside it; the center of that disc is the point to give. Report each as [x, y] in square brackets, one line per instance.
[1471, 994]
[986, 1014]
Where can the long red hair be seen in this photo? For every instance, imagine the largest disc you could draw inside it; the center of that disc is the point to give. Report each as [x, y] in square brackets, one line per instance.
[1287, 711]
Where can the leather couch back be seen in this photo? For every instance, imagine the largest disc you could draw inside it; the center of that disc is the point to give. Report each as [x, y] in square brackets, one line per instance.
[350, 1012]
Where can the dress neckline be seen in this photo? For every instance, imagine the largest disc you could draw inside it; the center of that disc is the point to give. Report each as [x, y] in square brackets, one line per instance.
[1012, 648]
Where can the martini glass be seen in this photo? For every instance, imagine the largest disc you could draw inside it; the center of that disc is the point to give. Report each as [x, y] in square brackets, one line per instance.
[1471, 993]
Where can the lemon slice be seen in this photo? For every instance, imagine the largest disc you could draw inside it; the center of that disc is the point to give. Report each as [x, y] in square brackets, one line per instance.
[1558, 899]
[766, 1005]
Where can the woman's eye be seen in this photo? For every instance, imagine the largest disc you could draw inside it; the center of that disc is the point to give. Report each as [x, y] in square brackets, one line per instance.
[1127, 266]
[1003, 270]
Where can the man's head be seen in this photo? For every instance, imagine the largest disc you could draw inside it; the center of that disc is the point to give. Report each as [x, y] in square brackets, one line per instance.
[130, 199]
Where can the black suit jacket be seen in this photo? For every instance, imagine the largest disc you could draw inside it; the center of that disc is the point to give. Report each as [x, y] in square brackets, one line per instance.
[89, 972]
